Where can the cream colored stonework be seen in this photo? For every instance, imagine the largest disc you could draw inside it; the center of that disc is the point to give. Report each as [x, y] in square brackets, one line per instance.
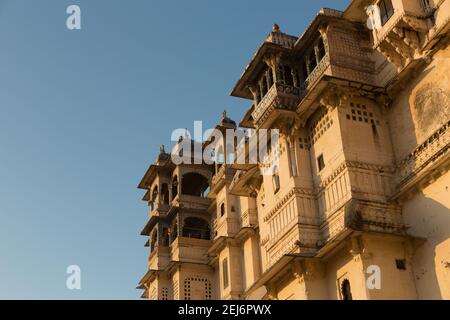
[363, 168]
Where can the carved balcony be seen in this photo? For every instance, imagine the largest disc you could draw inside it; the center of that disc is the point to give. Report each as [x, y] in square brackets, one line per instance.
[224, 175]
[159, 258]
[191, 203]
[189, 250]
[400, 38]
[249, 218]
[280, 99]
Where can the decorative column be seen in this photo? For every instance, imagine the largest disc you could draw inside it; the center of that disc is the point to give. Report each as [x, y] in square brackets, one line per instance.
[272, 62]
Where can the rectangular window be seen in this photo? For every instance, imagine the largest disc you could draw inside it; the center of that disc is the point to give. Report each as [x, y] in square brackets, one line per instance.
[386, 10]
[320, 162]
[225, 272]
[276, 183]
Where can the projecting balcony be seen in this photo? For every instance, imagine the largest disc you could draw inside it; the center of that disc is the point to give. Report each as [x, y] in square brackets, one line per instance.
[223, 175]
[159, 258]
[189, 250]
[158, 209]
[192, 203]
[249, 218]
[280, 99]
[407, 30]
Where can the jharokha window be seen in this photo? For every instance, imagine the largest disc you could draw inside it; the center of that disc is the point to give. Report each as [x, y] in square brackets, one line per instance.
[313, 57]
[386, 10]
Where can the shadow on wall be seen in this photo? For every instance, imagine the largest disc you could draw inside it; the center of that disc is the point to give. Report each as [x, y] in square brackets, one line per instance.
[430, 219]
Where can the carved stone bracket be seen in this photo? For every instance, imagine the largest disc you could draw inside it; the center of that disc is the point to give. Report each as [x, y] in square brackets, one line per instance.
[333, 97]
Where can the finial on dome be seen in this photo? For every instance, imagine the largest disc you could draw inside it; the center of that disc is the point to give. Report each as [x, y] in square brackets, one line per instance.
[275, 28]
[224, 114]
[162, 149]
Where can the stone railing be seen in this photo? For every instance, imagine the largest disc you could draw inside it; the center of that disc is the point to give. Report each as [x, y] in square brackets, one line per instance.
[249, 218]
[270, 101]
[189, 250]
[436, 146]
[318, 71]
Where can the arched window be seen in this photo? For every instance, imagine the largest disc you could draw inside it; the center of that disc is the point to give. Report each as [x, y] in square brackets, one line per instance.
[174, 187]
[165, 193]
[196, 228]
[346, 292]
[154, 197]
[194, 184]
[275, 180]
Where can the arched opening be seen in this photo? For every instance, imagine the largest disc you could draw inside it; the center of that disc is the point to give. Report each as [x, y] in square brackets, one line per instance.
[346, 292]
[321, 48]
[288, 77]
[174, 232]
[165, 237]
[165, 193]
[312, 61]
[196, 228]
[153, 240]
[174, 187]
[194, 184]
[276, 180]
[264, 87]
[154, 197]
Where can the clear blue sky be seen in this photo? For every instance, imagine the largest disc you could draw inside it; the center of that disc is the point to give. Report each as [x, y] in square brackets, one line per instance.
[83, 113]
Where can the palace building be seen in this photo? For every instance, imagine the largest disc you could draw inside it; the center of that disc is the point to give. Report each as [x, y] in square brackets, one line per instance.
[358, 207]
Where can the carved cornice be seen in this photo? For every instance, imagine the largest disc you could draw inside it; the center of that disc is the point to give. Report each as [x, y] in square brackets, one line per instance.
[353, 165]
[293, 192]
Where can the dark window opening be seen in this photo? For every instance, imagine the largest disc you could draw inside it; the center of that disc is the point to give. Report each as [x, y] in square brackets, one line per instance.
[270, 78]
[194, 184]
[312, 61]
[321, 49]
[196, 228]
[165, 193]
[174, 187]
[222, 209]
[276, 182]
[264, 88]
[153, 240]
[165, 237]
[289, 80]
[174, 233]
[386, 10]
[320, 162]
[346, 292]
[225, 273]
[401, 264]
